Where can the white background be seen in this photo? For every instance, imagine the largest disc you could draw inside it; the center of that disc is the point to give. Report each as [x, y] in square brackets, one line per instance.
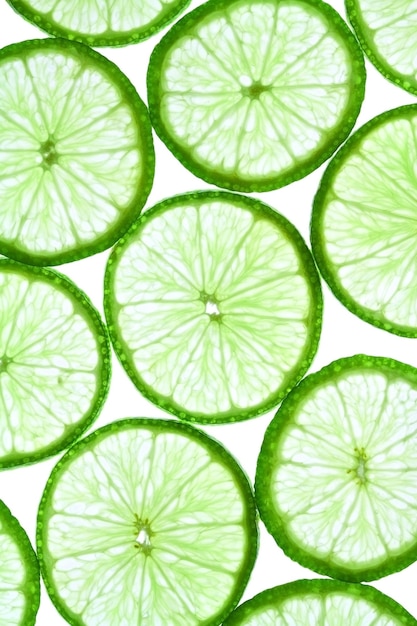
[343, 334]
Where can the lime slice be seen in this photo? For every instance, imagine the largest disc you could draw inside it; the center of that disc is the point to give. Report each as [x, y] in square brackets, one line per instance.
[76, 154]
[147, 522]
[364, 219]
[387, 33]
[214, 306]
[54, 363]
[321, 602]
[336, 480]
[19, 574]
[254, 94]
[100, 22]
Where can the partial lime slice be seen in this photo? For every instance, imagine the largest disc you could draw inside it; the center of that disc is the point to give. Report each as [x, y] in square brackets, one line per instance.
[321, 602]
[76, 154]
[363, 224]
[19, 574]
[100, 22]
[254, 94]
[54, 363]
[147, 522]
[214, 306]
[336, 481]
[387, 33]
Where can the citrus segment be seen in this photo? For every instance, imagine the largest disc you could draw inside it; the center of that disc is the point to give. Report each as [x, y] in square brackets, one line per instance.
[363, 222]
[387, 33]
[54, 363]
[336, 476]
[76, 155]
[324, 602]
[101, 22]
[213, 305]
[154, 541]
[19, 574]
[253, 95]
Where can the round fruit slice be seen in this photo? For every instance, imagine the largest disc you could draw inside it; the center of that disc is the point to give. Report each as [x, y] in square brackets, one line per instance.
[363, 224]
[254, 94]
[214, 306]
[100, 22]
[387, 33]
[19, 574]
[324, 602]
[336, 481]
[147, 522]
[76, 153]
[54, 363]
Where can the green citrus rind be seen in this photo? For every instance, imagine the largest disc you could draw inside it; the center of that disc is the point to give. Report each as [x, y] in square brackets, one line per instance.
[31, 585]
[318, 235]
[372, 51]
[85, 309]
[140, 118]
[244, 183]
[275, 597]
[269, 461]
[111, 38]
[217, 453]
[124, 353]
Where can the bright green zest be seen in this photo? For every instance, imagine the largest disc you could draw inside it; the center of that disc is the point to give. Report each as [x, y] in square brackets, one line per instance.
[364, 222]
[147, 522]
[100, 22]
[254, 94]
[54, 363]
[76, 154]
[320, 603]
[336, 481]
[214, 306]
[19, 574]
[387, 32]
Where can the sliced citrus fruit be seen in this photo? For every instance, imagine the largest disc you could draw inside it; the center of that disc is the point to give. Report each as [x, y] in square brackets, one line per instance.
[76, 154]
[100, 22]
[213, 305]
[324, 602]
[54, 363]
[336, 480]
[363, 224]
[19, 574]
[387, 33]
[146, 522]
[254, 94]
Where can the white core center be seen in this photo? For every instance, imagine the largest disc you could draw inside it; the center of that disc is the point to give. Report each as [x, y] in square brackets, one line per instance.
[212, 308]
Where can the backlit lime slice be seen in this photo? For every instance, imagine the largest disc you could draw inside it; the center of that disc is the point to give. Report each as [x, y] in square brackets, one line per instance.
[54, 363]
[321, 602]
[363, 224]
[19, 574]
[76, 155]
[254, 94]
[100, 22]
[336, 480]
[387, 32]
[214, 306]
[146, 522]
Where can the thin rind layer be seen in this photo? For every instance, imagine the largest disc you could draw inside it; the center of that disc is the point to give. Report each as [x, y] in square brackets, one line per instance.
[217, 452]
[235, 183]
[275, 596]
[317, 233]
[141, 116]
[85, 308]
[388, 71]
[122, 350]
[112, 39]
[265, 467]
[32, 582]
